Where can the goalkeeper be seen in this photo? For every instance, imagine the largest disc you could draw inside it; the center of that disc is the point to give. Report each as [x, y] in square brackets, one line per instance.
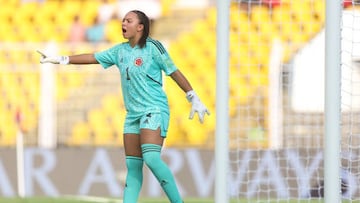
[141, 61]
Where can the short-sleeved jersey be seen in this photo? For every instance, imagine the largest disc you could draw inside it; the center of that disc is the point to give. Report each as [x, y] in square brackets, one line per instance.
[141, 74]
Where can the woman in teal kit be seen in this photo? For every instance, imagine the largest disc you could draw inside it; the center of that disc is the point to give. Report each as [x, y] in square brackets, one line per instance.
[141, 62]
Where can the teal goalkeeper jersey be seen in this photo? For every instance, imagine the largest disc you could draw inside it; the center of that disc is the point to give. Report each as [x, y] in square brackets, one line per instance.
[141, 74]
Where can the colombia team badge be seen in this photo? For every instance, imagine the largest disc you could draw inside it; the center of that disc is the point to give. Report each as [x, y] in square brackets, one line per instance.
[138, 61]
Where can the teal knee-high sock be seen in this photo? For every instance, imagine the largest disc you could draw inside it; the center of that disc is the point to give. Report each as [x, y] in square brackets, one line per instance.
[151, 156]
[134, 179]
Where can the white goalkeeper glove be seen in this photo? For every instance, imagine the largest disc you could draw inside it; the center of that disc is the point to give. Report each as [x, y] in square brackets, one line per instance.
[63, 60]
[197, 106]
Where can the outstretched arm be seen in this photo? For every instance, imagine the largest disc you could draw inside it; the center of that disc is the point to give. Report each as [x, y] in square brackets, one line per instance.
[197, 105]
[83, 59]
[74, 59]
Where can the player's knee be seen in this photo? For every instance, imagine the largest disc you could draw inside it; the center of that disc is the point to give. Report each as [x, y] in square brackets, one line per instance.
[151, 154]
[133, 162]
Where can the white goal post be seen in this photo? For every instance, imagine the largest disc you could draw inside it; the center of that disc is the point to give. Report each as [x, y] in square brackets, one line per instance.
[222, 99]
[332, 183]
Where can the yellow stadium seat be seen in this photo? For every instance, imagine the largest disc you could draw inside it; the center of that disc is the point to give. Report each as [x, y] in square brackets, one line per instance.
[197, 135]
[113, 31]
[116, 113]
[101, 127]
[74, 79]
[6, 15]
[210, 122]
[66, 18]
[8, 129]
[119, 139]
[281, 14]
[200, 27]
[81, 135]
[43, 19]
[69, 10]
[237, 16]
[13, 96]
[287, 30]
[8, 136]
[3, 58]
[298, 39]
[240, 90]
[16, 56]
[267, 31]
[31, 79]
[29, 118]
[117, 121]
[7, 78]
[62, 90]
[208, 42]
[6, 11]
[30, 7]
[233, 105]
[299, 7]
[310, 28]
[110, 101]
[89, 12]
[236, 40]
[259, 76]
[3, 103]
[211, 17]
[103, 136]
[262, 54]
[176, 134]
[173, 94]
[259, 13]
[96, 117]
[67, 81]
[245, 28]
[8, 33]
[319, 9]
[175, 51]
[166, 7]
[46, 33]
[24, 14]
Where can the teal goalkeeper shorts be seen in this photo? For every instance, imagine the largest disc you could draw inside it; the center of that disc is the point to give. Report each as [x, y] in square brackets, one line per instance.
[151, 121]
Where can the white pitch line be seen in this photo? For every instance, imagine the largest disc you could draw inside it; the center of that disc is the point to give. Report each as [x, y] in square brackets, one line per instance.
[93, 199]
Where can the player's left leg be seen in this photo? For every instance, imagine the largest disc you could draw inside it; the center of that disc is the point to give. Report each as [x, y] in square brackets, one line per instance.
[151, 141]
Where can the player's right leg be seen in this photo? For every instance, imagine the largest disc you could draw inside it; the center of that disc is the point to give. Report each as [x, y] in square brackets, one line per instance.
[134, 164]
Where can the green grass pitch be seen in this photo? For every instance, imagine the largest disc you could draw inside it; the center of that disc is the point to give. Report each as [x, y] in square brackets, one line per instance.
[143, 200]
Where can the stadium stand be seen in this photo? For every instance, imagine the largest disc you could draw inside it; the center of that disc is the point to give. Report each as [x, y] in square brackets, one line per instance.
[95, 122]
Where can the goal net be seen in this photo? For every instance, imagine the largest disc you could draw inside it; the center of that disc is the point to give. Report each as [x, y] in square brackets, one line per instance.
[276, 104]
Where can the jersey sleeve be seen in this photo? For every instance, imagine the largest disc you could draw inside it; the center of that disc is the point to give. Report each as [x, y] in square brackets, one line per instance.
[163, 57]
[107, 57]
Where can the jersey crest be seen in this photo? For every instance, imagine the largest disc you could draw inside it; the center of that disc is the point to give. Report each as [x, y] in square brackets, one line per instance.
[138, 61]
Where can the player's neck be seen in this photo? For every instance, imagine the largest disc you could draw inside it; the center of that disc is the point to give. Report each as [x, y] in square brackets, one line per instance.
[134, 41]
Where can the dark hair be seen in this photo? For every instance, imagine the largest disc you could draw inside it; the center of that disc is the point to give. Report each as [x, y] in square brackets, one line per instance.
[146, 22]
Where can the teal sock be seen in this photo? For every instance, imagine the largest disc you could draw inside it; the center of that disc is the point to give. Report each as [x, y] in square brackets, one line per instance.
[134, 179]
[151, 156]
